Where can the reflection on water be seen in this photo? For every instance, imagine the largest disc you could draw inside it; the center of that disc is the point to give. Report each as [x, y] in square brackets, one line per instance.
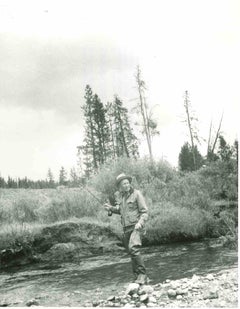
[171, 261]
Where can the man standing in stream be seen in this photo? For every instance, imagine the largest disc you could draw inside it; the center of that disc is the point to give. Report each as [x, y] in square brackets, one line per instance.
[131, 205]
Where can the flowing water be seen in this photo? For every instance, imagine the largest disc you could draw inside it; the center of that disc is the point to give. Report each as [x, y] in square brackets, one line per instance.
[101, 276]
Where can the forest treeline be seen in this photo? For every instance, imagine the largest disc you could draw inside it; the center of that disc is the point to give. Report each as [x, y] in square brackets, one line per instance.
[109, 135]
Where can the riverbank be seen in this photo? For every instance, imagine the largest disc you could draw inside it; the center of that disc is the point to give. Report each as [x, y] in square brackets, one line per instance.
[217, 289]
[212, 290]
[70, 241]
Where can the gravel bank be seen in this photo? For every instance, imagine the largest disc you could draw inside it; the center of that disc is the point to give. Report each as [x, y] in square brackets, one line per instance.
[212, 290]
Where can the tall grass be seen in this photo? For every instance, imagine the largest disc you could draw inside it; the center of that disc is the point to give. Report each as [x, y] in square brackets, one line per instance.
[15, 234]
[45, 206]
[179, 205]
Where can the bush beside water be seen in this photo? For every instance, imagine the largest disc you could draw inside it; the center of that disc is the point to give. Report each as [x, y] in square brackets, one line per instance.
[180, 206]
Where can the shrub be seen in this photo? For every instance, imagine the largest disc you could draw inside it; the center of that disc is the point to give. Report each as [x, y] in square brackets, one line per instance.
[221, 180]
[170, 223]
[144, 172]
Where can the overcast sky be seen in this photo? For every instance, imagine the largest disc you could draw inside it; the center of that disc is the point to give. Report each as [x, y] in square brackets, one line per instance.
[50, 51]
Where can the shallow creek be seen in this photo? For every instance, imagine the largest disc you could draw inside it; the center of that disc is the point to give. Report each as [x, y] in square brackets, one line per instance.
[101, 276]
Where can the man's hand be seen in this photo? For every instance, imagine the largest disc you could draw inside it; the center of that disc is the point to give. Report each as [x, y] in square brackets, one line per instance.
[138, 226]
[107, 207]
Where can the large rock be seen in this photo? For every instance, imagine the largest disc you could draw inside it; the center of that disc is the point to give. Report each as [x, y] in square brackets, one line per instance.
[144, 298]
[146, 289]
[132, 288]
[171, 293]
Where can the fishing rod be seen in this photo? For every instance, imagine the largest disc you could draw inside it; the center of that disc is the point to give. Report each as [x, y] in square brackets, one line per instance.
[96, 198]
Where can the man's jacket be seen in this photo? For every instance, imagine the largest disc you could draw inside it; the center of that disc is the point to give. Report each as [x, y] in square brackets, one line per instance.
[132, 208]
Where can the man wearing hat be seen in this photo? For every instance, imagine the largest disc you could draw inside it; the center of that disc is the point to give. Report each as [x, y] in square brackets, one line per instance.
[134, 213]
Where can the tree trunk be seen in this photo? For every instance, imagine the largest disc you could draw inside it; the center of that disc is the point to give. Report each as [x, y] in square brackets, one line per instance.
[186, 104]
[144, 113]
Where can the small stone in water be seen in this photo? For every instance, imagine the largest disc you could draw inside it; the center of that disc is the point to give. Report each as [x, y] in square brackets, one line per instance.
[179, 297]
[95, 303]
[32, 302]
[87, 304]
[76, 292]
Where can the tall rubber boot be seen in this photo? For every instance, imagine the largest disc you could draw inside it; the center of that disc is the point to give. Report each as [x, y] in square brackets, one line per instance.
[134, 268]
[139, 269]
[142, 279]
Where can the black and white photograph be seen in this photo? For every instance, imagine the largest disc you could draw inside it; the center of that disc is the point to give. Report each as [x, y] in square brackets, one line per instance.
[119, 153]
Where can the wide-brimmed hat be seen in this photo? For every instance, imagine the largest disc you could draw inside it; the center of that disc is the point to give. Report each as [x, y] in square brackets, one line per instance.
[121, 177]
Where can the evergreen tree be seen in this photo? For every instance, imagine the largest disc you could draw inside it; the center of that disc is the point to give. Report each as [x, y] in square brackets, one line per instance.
[50, 179]
[186, 161]
[111, 125]
[101, 131]
[11, 183]
[225, 151]
[124, 141]
[95, 148]
[74, 179]
[62, 177]
[2, 182]
[89, 148]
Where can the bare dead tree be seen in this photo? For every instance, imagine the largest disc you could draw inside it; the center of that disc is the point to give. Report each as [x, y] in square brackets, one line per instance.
[209, 138]
[149, 125]
[189, 120]
[211, 149]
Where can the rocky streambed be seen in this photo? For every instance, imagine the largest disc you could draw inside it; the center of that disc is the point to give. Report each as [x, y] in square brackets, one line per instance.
[213, 290]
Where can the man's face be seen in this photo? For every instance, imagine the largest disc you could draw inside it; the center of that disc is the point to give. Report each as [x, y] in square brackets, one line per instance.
[125, 185]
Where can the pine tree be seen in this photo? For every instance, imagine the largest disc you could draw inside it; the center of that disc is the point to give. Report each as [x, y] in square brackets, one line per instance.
[101, 130]
[185, 159]
[95, 148]
[124, 141]
[50, 179]
[88, 148]
[74, 179]
[111, 125]
[11, 183]
[2, 182]
[62, 177]
[225, 151]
